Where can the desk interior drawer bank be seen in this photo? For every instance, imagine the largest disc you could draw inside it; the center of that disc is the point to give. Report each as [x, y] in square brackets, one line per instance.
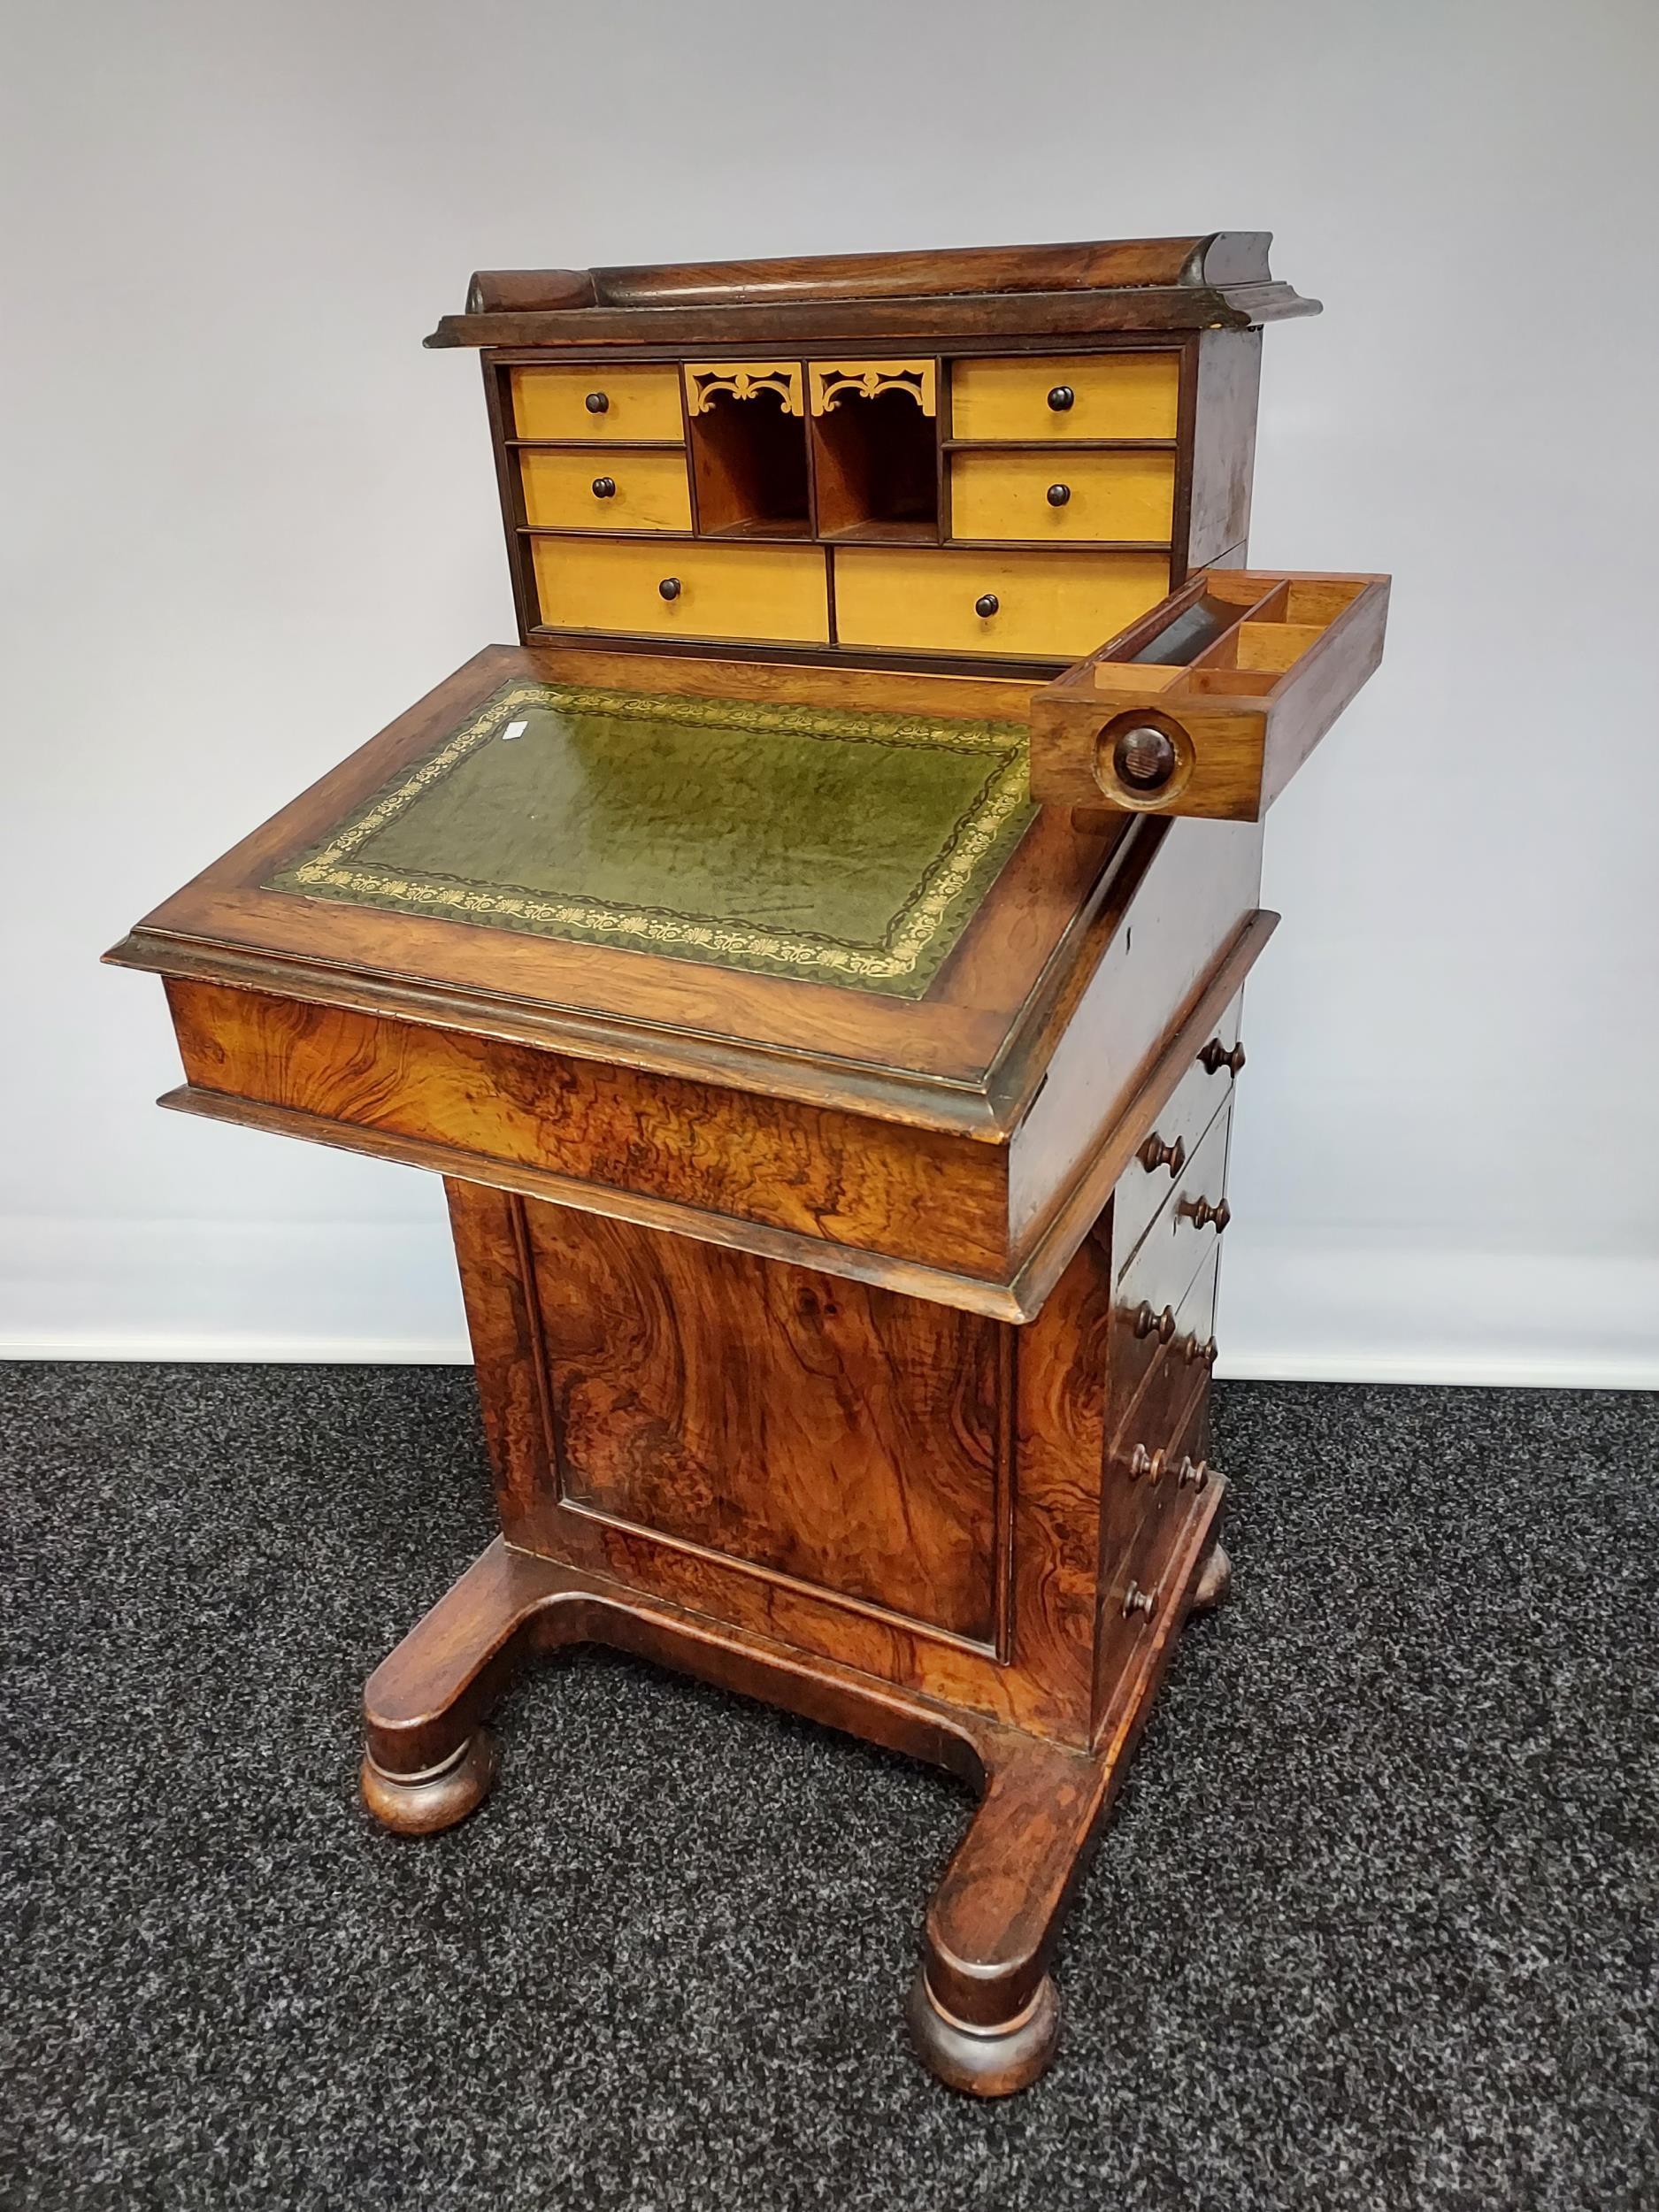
[811, 957]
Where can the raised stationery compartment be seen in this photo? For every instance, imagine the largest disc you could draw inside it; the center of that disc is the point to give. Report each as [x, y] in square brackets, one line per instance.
[1210, 703]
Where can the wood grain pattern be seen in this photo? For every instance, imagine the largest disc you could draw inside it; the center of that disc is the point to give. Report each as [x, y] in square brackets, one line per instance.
[841, 1435]
[838, 1178]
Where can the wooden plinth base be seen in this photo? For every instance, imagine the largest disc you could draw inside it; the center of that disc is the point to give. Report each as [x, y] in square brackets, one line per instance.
[984, 2014]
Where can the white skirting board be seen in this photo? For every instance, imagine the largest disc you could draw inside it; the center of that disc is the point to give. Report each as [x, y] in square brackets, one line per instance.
[1314, 1311]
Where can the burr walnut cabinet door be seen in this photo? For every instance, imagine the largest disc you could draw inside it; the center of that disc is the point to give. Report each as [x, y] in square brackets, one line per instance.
[841, 1435]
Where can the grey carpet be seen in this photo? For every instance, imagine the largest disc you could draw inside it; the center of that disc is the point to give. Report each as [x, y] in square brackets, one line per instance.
[1375, 1927]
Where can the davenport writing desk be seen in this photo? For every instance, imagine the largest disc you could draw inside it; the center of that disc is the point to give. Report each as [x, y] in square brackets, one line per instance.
[812, 957]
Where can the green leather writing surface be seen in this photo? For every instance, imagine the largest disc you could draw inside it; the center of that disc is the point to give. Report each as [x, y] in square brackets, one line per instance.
[845, 847]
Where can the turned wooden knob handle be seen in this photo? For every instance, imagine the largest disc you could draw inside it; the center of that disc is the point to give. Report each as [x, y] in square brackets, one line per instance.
[596, 403]
[1139, 1601]
[1203, 1214]
[986, 605]
[604, 487]
[1155, 1153]
[1150, 1464]
[1159, 1324]
[1215, 1056]
[668, 589]
[1199, 1351]
[1193, 1474]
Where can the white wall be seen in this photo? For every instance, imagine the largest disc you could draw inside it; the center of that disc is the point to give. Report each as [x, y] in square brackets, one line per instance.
[247, 521]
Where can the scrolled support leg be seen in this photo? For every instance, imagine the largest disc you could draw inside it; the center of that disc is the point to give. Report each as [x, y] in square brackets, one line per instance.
[429, 1759]
[984, 2013]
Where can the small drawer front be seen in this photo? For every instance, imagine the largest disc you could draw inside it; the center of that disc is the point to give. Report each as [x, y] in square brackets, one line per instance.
[1148, 1369]
[626, 401]
[1174, 1138]
[714, 591]
[1147, 1519]
[1036, 496]
[1049, 606]
[1184, 1230]
[603, 491]
[1067, 397]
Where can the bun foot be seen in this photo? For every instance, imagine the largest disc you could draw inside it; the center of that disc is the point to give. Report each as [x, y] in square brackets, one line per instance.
[1214, 1583]
[422, 1804]
[984, 2062]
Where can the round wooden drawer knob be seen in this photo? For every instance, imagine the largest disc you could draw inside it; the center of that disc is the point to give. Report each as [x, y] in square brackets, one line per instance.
[1150, 1464]
[986, 605]
[1215, 1056]
[1155, 1153]
[1138, 1603]
[1144, 757]
[668, 589]
[1193, 1474]
[1058, 495]
[604, 487]
[1146, 1323]
[1199, 1351]
[596, 403]
[1062, 398]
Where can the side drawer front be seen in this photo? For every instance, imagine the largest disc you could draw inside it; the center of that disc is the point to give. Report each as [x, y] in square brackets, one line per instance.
[1143, 1529]
[1146, 1375]
[723, 591]
[1050, 606]
[1174, 1138]
[567, 490]
[1183, 1231]
[1124, 395]
[1033, 497]
[640, 400]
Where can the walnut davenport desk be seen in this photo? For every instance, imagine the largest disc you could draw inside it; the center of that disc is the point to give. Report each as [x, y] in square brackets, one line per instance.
[812, 957]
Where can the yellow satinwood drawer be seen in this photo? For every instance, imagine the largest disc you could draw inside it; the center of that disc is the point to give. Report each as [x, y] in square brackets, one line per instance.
[1062, 495]
[734, 591]
[1112, 396]
[1053, 606]
[564, 491]
[632, 399]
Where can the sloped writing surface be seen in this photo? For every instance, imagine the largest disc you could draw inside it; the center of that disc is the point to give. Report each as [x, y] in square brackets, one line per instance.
[846, 847]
